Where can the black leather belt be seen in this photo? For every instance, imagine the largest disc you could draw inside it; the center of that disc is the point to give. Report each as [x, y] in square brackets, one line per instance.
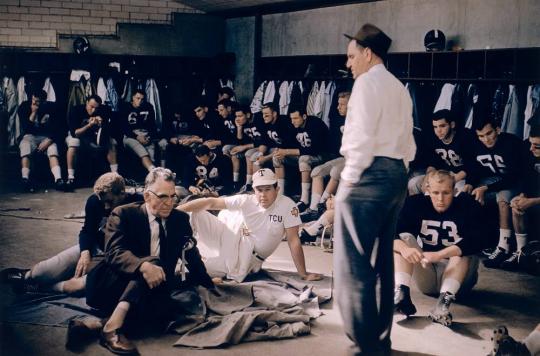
[258, 257]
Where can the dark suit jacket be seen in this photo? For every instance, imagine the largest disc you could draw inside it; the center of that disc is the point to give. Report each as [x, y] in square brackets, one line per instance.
[127, 246]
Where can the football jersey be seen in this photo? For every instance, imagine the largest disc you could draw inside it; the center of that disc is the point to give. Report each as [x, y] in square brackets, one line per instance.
[254, 132]
[78, 117]
[505, 160]
[229, 127]
[218, 173]
[179, 126]
[138, 121]
[43, 125]
[265, 226]
[279, 134]
[460, 225]
[451, 156]
[312, 137]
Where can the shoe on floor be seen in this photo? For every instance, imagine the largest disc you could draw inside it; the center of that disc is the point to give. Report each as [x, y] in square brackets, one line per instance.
[117, 343]
[402, 301]
[306, 238]
[27, 186]
[69, 185]
[498, 256]
[505, 345]
[514, 262]
[441, 313]
[60, 185]
[13, 275]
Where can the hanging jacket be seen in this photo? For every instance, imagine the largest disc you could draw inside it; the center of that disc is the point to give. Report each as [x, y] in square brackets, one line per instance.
[48, 88]
[257, 101]
[10, 104]
[152, 97]
[445, 98]
[112, 95]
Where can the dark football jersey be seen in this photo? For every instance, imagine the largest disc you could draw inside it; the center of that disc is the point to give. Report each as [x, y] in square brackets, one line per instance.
[312, 137]
[460, 225]
[218, 173]
[138, 121]
[280, 133]
[506, 161]
[254, 130]
[451, 156]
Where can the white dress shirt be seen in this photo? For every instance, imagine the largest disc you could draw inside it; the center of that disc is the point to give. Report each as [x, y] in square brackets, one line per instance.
[379, 122]
[154, 232]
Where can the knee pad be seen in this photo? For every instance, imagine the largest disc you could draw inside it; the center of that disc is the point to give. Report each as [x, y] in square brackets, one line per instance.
[304, 163]
[73, 141]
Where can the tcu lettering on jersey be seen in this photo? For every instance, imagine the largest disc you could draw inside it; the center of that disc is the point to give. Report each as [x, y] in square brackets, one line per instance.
[303, 139]
[275, 218]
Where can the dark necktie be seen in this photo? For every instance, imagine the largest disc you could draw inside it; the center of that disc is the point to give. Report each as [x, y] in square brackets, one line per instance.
[162, 240]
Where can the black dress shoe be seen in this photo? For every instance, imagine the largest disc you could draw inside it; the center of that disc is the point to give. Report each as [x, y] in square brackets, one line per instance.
[117, 343]
[13, 275]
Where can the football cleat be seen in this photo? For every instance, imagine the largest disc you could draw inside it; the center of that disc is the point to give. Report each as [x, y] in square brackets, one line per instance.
[402, 301]
[514, 262]
[496, 258]
[441, 313]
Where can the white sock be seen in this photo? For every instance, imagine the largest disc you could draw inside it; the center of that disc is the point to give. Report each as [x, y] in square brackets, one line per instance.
[306, 187]
[163, 163]
[151, 167]
[315, 199]
[504, 235]
[57, 173]
[532, 342]
[281, 185]
[450, 285]
[236, 177]
[521, 240]
[402, 278]
[71, 173]
[324, 197]
[58, 287]
[114, 168]
[317, 226]
[25, 172]
[28, 274]
[249, 179]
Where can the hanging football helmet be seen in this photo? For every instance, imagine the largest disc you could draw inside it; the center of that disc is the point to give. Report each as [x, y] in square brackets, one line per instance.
[435, 40]
[81, 45]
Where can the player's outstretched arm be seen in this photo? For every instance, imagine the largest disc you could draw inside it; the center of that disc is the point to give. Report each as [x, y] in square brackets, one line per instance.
[203, 204]
[297, 254]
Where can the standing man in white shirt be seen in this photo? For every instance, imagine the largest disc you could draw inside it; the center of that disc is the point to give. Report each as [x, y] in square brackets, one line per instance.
[377, 145]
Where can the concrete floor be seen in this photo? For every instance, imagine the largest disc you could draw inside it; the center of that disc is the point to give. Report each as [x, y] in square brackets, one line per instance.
[499, 297]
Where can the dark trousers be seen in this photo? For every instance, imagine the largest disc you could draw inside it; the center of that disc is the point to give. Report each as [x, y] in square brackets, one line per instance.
[105, 288]
[365, 226]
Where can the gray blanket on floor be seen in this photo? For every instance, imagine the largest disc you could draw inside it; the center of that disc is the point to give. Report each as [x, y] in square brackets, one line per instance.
[269, 305]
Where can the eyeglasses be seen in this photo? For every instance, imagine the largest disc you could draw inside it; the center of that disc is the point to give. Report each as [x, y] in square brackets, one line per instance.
[164, 198]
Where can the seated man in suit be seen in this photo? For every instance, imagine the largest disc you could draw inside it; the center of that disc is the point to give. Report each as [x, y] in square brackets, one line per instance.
[143, 242]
